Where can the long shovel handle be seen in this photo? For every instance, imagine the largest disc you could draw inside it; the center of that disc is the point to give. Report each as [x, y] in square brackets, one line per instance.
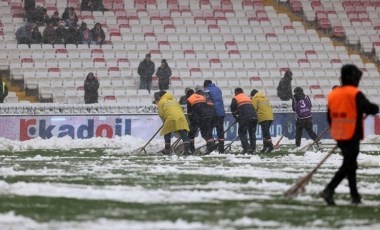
[143, 148]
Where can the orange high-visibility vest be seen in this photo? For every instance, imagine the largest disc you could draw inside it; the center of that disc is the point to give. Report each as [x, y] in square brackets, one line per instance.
[343, 112]
[242, 99]
[196, 98]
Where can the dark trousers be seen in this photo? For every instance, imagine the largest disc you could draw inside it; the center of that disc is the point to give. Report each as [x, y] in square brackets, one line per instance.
[218, 123]
[145, 83]
[350, 151]
[248, 126]
[205, 128]
[163, 84]
[265, 127]
[182, 134]
[306, 124]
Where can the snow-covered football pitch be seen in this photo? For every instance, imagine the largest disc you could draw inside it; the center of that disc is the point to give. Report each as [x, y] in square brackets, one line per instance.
[98, 184]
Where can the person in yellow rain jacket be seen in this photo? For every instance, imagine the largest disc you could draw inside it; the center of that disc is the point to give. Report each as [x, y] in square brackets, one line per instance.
[171, 113]
[265, 116]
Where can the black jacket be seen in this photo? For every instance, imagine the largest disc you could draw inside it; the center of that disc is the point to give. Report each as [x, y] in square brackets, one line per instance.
[243, 112]
[164, 73]
[199, 112]
[91, 87]
[73, 36]
[284, 88]
[146, 69]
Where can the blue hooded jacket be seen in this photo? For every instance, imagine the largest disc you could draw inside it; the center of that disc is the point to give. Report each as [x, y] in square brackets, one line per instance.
[217, 97]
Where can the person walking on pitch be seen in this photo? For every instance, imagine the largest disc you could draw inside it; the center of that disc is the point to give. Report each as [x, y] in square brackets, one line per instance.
[346, 106]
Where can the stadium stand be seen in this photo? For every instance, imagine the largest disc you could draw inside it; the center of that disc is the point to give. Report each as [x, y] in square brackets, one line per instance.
[245, 43]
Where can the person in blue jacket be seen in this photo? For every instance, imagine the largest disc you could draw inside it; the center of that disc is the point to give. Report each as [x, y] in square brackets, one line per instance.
[216, 97]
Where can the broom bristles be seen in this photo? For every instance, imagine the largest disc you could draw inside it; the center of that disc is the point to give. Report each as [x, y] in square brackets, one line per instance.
[299, 187]
[301, 184]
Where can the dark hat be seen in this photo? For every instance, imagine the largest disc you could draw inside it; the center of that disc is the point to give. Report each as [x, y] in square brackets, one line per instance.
[238, 90]
[298, 90]
[156, 96]
[147, 56]
[186, 89]
[253, 92]
[163, 61]
[288, 74]
[206, 83]
[350, 75]
[189, 93]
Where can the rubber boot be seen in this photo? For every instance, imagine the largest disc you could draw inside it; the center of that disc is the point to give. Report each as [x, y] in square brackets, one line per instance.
[269, 146]
[221, 146]
[265, 147]
[210, 146]
[166, 150]
[191, 146]
[186, 148]
[328, 196]
[356, 199]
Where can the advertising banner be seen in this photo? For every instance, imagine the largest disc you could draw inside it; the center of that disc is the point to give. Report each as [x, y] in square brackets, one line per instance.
[143, 126]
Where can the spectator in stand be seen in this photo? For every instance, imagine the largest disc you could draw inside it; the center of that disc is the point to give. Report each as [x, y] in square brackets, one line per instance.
[24, 34]
[87, 5]
[61, 33]
[85, 34]
[49, 34]
[91, 86]
[37, 36]
[3, 90]
[55, 18]
[284, 89]
[163, 73]
[183, 99]
[146, 71]
[29, 6]
[73, 35]
[98, 35]
[92, 5]
[39, 16]
[69, 16]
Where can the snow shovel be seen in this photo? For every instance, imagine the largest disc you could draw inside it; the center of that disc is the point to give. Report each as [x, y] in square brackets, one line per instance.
[139, 150]
[302, 182]
[229, 127]
[227, 147]
[277, 145]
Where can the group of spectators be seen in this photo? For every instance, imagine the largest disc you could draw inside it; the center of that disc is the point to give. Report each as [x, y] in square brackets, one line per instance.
[146, 70]
[58, 30]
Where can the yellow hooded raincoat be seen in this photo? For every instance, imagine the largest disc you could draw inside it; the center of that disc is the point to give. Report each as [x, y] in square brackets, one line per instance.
[171, 113]
[263, 107]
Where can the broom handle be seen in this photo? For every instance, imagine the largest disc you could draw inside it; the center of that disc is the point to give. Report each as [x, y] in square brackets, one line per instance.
[324, 159]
